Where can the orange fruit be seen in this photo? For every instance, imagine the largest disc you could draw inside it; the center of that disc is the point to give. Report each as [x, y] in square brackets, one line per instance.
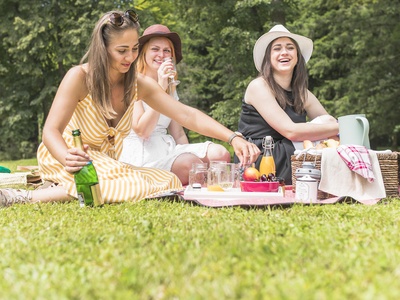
[214, 188]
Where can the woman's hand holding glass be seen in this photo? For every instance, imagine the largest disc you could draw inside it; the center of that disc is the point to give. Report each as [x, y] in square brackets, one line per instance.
[164, 72]
[171, 71]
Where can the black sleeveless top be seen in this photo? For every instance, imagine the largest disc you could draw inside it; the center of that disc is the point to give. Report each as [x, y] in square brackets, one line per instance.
[254, 128]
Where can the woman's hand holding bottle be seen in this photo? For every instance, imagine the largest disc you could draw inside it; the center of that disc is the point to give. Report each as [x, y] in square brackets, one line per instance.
[76, 159]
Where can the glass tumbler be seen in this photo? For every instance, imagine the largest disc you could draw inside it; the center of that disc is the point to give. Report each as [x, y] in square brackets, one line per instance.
[221, 176]
[198, 174]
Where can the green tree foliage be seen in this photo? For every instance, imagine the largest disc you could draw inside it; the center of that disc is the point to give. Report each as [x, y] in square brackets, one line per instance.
[218, 59]
[41, 40]
[353, 68]
[355, 61]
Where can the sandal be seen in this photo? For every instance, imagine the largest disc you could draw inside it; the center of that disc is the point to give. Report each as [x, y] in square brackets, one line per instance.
[11, 196]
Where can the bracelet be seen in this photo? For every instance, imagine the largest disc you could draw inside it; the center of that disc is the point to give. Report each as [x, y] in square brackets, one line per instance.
[235, 134]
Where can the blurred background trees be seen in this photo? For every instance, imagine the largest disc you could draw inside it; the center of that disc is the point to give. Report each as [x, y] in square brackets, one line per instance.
[354, 67]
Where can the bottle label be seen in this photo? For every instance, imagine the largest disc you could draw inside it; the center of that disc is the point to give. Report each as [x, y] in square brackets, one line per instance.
[81, 199]
[96, 194]
[306, 191]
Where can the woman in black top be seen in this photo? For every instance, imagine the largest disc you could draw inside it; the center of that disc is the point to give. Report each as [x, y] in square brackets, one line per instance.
[278, 102]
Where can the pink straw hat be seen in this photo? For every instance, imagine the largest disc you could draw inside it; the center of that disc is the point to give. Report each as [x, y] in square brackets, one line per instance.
[162, 31]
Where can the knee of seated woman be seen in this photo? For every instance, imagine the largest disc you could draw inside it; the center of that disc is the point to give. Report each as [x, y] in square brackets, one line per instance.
[218, 152]
[185, 160]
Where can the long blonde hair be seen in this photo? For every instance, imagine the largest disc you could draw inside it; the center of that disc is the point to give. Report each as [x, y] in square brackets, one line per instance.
[141, 61]
[97, 79]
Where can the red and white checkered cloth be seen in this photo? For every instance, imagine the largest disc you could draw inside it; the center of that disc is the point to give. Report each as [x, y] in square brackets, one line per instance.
[357, 159]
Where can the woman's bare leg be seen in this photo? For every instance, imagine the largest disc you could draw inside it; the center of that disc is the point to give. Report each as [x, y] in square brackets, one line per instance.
[216, 152]
[9, 196]
[51, 194]
[182, 165]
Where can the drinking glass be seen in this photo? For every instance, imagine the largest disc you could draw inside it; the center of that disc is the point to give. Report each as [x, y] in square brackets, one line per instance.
[198, 174]
[172, 73]
[222, 175]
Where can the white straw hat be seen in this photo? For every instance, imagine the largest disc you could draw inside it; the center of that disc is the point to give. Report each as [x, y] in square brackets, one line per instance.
[305, 44]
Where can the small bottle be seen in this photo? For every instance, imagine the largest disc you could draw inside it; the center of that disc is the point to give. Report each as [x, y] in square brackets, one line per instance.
[267, 164]
[86, 180]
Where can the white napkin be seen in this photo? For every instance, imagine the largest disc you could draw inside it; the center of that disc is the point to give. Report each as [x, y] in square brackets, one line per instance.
[337, 179]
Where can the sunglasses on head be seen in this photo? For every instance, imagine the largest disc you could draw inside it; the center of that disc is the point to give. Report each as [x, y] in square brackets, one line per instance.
[117, 19]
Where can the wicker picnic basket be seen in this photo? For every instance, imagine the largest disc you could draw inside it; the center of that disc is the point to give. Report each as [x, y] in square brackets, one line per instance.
[8, 179]
[389, 163]
[30, 177]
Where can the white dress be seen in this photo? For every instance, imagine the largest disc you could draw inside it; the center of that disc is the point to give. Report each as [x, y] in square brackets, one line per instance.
[159, 150]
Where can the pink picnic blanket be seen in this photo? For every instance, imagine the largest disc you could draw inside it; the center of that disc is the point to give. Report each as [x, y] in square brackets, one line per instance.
[287, 200]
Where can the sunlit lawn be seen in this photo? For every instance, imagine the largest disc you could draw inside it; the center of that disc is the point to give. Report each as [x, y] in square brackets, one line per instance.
[175, 250]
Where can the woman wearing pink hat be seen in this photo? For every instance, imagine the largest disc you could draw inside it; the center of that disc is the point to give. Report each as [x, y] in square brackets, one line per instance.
[277, 103]
[155, 140]
[98, 97]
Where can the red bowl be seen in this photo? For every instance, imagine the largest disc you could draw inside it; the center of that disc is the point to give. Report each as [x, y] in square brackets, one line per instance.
[262, 186]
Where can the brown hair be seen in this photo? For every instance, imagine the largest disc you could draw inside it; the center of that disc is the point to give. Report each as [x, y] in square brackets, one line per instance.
[97, 78]
[299, 81]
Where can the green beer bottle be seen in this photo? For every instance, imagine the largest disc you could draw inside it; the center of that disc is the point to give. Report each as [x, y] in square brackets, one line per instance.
[86, 180]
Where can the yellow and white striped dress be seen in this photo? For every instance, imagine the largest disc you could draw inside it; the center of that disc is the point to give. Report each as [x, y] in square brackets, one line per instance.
[119, 182]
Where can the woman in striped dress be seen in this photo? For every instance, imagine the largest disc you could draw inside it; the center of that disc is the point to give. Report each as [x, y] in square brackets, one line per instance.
[97, 97]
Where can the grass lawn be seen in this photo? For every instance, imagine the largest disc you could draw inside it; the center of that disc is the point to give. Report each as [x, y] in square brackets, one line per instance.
[12, 164]
[173, 250]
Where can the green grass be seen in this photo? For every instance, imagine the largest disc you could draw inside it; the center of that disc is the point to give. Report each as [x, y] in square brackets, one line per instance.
[13, 164]
[174, 250]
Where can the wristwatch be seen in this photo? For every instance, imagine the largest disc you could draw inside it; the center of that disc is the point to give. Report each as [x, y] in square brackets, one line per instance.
[235, 134]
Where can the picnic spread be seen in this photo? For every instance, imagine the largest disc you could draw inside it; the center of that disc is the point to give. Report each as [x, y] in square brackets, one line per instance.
[348, 173]
[323, 172]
